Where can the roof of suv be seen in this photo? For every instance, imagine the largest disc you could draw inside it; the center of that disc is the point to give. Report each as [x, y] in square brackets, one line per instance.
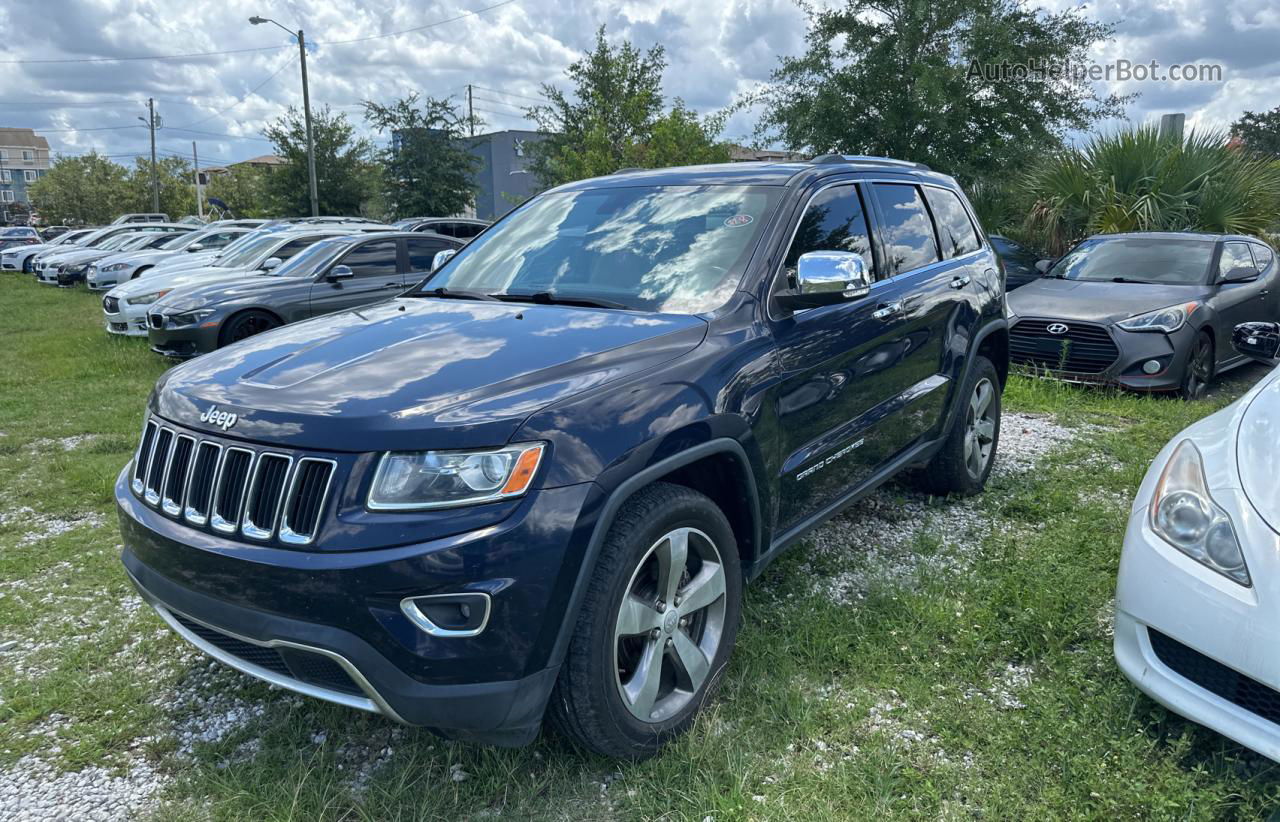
[763, 173]
[1173, 236]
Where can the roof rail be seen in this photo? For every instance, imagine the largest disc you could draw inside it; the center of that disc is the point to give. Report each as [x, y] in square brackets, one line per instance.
[629, 170]
[865, 159]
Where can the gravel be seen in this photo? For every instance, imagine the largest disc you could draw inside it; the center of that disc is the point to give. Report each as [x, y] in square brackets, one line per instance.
[32, 789]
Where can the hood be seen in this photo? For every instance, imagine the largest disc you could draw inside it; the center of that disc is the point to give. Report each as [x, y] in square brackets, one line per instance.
[83, 255]
[418, 373]
[1256, 453]
[176, 260]
[29, 249]
[216, 290]
[1088, 301]
[138, 257]
[173, 279]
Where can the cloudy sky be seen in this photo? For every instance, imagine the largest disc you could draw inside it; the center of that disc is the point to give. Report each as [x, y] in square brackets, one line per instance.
[717, 49]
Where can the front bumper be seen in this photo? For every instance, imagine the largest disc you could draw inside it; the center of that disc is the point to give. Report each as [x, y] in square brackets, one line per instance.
[128, 320]
[1133, 349]
[1233, 631]
[47, 275]
[97, 280]
[182, 342]
[342, 607]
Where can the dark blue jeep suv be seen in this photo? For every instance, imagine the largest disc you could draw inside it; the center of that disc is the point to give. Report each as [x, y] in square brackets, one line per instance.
[536, 483]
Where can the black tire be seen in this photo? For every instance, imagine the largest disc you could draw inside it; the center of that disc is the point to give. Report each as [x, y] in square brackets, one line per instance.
[245, 325]
[953, 469]
[587, 704]
[1199, 369]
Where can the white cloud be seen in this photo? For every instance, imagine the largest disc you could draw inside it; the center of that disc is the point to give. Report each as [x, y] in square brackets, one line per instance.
[716, 49]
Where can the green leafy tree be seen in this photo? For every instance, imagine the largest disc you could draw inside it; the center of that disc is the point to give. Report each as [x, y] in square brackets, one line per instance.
[427, 170]
[615, 119]
[342, 175]
[88, 190]
[243, 189]
[937, 81]
[177, 187]
[1136, 180]
[1259, 131]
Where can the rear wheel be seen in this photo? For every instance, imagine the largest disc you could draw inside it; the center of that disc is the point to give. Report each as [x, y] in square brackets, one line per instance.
[1199, 372]
[964, 461]
[245, 325]
[656, 628]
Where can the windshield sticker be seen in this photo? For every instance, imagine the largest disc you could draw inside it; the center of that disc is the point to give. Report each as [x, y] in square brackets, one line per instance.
[738, 220]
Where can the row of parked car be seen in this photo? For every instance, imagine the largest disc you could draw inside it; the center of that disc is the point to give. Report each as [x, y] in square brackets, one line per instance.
[193, 289]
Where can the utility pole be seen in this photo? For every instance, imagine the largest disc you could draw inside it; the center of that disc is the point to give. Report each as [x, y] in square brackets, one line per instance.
[306, 109]
[155, 177]
[471, 112]
[195, 160]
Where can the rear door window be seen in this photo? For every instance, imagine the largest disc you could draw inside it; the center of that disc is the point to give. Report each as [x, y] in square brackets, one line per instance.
[955, 229]
[467, 230]
[422, 254]
[833, 221]
[1234, 255]
[907, 230]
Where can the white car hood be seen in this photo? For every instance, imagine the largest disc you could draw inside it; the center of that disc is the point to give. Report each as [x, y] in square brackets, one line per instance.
[159, 282]
[1258, 450]
[180, 261]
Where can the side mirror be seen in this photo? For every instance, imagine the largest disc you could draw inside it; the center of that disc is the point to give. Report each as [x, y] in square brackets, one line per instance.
[826, 278]
[1260, 341]
[1240, 274]
[194, 247]
[272, 262]
[441, 258]
[1043, 266]
[339, 272]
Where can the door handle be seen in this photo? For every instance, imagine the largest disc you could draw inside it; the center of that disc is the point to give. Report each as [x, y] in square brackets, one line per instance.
[887, 310]
[960, 282]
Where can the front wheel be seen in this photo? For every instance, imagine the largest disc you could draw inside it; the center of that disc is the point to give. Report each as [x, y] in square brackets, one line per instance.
[1195, 382]
[656, 628]
[964, 461]
[244, 325]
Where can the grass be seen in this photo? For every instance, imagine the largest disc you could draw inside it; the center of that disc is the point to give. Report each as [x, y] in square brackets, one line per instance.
[977, 683]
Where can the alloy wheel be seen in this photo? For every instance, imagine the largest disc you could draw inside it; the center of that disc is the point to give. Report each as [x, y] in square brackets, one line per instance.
[980, 428]
[669, 625]
[1198, 371]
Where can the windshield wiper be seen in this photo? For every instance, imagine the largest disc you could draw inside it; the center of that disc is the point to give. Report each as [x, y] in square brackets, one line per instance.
[1127, 280]
[452, 294]
[551, 298]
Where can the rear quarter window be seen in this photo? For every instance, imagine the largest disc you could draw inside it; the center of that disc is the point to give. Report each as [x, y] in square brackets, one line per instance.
[955, 229]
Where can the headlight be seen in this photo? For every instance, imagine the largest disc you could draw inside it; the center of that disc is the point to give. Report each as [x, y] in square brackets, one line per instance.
[115, 267]
[147, 299]
[189, 317]
[1184, 515]
[444, 479]
[1167, 320]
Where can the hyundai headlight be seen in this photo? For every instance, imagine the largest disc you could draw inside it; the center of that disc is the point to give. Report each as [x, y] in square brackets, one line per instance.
[1184, 515]
[115, 267]
[148, 299]
[1167, 320]
[445, 479]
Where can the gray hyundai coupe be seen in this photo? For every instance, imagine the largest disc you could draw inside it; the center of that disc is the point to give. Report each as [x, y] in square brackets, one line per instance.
[1148, 311]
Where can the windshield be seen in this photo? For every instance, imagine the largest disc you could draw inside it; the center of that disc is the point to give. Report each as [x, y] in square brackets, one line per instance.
[678, 249]
[17, 232]
[246, 255]
[183, 240]
[118, 241]
[1146, 260]
[72, 238]
[312, 258]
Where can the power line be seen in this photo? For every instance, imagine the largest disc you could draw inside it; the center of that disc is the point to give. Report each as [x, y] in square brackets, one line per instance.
[194, 54]
[499, 103]
[250, 93]
[216, 134]
[512, 94]
[98, 128]
[500, 113]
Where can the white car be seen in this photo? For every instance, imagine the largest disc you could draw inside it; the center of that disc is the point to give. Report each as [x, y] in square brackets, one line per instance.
[106, 273]
[124, 308]
[19, 258]
[96, 239]
[1197, 623]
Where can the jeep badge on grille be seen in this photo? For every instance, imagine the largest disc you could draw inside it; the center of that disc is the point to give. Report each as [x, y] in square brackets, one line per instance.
[222, 419]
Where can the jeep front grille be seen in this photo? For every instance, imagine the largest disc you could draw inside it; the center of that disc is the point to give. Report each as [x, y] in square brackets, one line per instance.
[233, 488]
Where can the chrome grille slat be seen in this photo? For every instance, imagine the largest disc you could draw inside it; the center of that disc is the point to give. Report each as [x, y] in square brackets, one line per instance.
[232, 489]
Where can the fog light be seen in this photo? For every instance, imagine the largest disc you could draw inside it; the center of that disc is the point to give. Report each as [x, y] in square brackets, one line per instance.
[1151, 366]
[449, 615]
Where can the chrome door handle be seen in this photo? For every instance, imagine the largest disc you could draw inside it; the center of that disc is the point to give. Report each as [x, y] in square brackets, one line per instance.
[888, 310]
[960, 282]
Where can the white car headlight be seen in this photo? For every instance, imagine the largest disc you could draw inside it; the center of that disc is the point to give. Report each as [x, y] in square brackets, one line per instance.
[408, 480]
[115, 267]
[1184, 515]
[1167, 320]
[147, 299]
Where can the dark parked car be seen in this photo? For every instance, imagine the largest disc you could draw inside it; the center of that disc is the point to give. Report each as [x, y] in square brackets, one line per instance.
[1019, 261]
[463, 228]
[538, 482]
[1150, 311]
[335, 274]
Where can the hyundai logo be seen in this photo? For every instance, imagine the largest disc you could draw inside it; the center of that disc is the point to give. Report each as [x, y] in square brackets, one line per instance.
[1057, 328]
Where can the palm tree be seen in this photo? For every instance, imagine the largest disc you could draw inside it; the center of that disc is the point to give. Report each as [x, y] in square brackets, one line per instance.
[1136, 180]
